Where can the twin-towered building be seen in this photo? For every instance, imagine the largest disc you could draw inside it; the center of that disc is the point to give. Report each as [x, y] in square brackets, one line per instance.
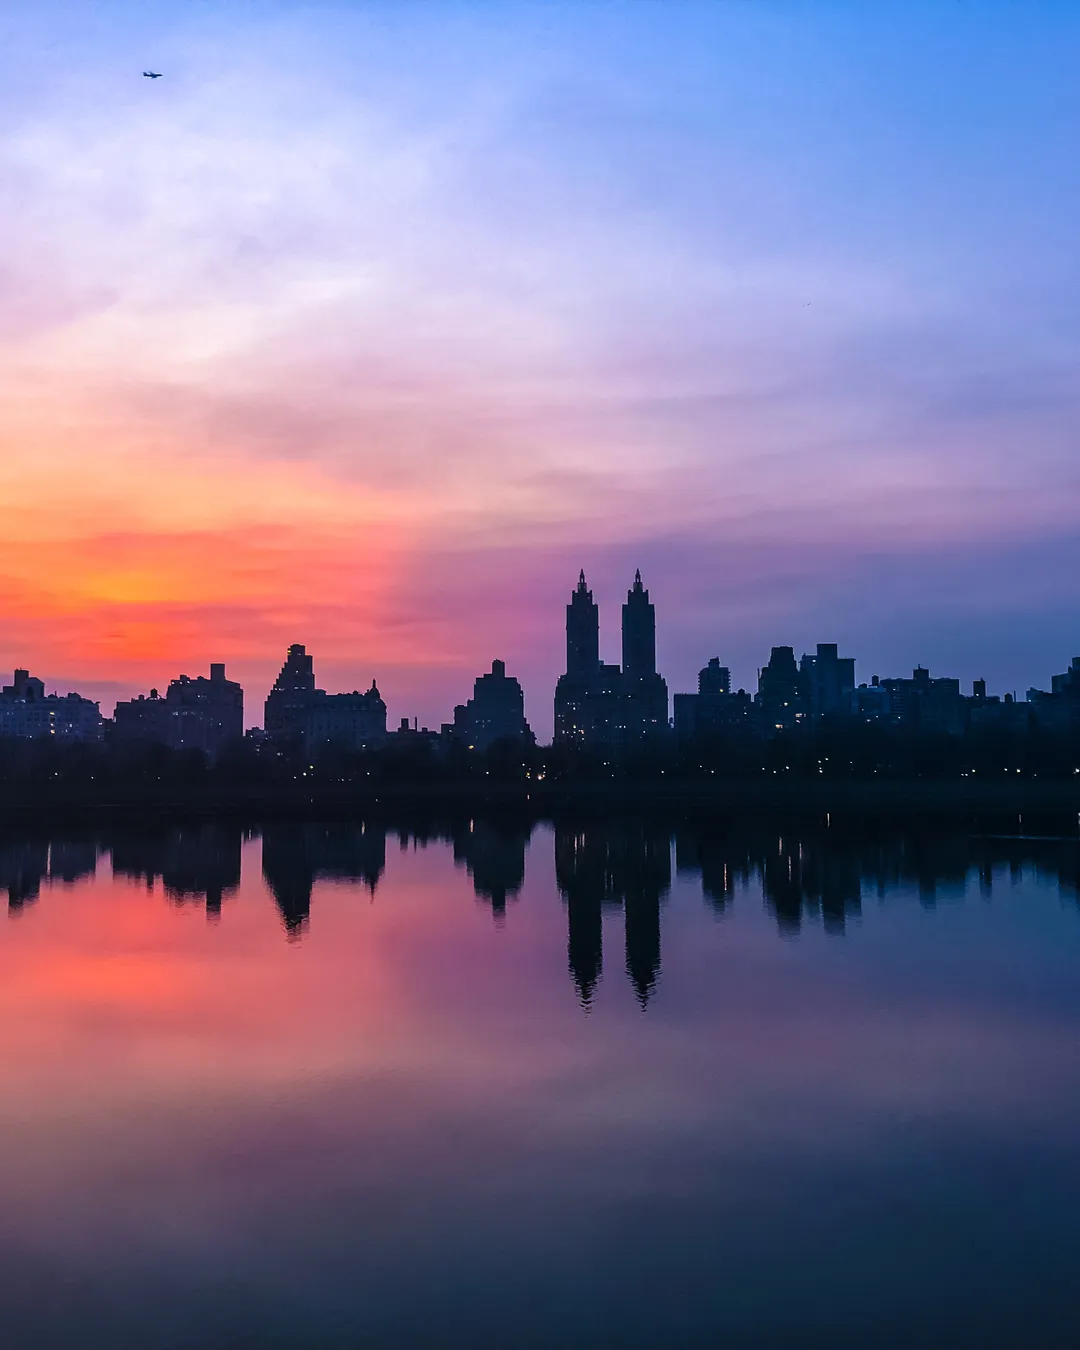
[603, 705]
[598, 705]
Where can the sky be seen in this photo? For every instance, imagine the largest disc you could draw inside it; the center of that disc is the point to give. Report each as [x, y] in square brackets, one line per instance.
[369, 324]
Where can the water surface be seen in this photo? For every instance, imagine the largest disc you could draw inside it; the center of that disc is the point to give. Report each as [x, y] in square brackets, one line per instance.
[627, 1083]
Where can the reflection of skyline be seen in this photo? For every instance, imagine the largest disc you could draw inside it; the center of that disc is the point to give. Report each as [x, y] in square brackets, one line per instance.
[493, 854]
[805, 871]
[193, 863]
[26, 863]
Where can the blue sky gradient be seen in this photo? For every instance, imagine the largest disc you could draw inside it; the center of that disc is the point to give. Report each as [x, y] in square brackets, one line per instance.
[436, 304]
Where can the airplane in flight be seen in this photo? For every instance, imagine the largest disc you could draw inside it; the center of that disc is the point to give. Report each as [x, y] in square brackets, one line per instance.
[152, 74]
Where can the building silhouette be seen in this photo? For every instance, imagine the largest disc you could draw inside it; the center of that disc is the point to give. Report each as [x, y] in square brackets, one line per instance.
[645, 691]
[582, 632]
[1059, 709]
[782, 691]
[638, 633]
[298, 713]
[291, 697]
[932, 704]
[195, 714]
[345, 721]
[496, 712]
[28, 713]
[714, 711]
[600, 705]
[714, 679]
[829, 682]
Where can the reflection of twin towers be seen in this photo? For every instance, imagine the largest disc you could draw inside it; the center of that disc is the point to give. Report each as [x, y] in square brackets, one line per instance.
[601, 865]
[597, 868]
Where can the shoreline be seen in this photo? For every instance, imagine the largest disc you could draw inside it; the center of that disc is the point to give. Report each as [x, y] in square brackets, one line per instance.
[852, 798]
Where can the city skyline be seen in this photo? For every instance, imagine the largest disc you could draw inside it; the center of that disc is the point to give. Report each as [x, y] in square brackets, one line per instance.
[598, 705]
[605, 641]
[361, 313]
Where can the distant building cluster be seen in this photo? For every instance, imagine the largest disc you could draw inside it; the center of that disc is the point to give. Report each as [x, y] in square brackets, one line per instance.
[597, 705]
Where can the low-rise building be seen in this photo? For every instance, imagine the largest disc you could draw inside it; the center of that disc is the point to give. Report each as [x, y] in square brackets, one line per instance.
[195, 714]
[344, 721]
[27, 712]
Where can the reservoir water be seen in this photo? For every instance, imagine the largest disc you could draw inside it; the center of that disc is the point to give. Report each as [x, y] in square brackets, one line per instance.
[603, 1082]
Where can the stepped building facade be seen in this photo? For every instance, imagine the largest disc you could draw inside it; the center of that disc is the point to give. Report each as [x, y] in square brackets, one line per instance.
[298, 713]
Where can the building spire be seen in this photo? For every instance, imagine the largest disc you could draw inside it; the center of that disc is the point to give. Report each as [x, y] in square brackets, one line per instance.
[581, 580]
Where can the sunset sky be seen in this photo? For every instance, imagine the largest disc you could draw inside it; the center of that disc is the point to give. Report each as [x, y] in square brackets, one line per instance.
[369, 324]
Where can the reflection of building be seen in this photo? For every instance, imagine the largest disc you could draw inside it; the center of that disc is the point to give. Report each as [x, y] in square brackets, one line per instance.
[27, 712]
[720, 860]
[611, 864]
[584, 876]
[26, 863]
[296, 855]
[195, 714]
[494, 855]
[71, 860]
[298, 712]
[496, 711]
[193, 862]
[23, 866]
[800, 872]
[598, 704]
